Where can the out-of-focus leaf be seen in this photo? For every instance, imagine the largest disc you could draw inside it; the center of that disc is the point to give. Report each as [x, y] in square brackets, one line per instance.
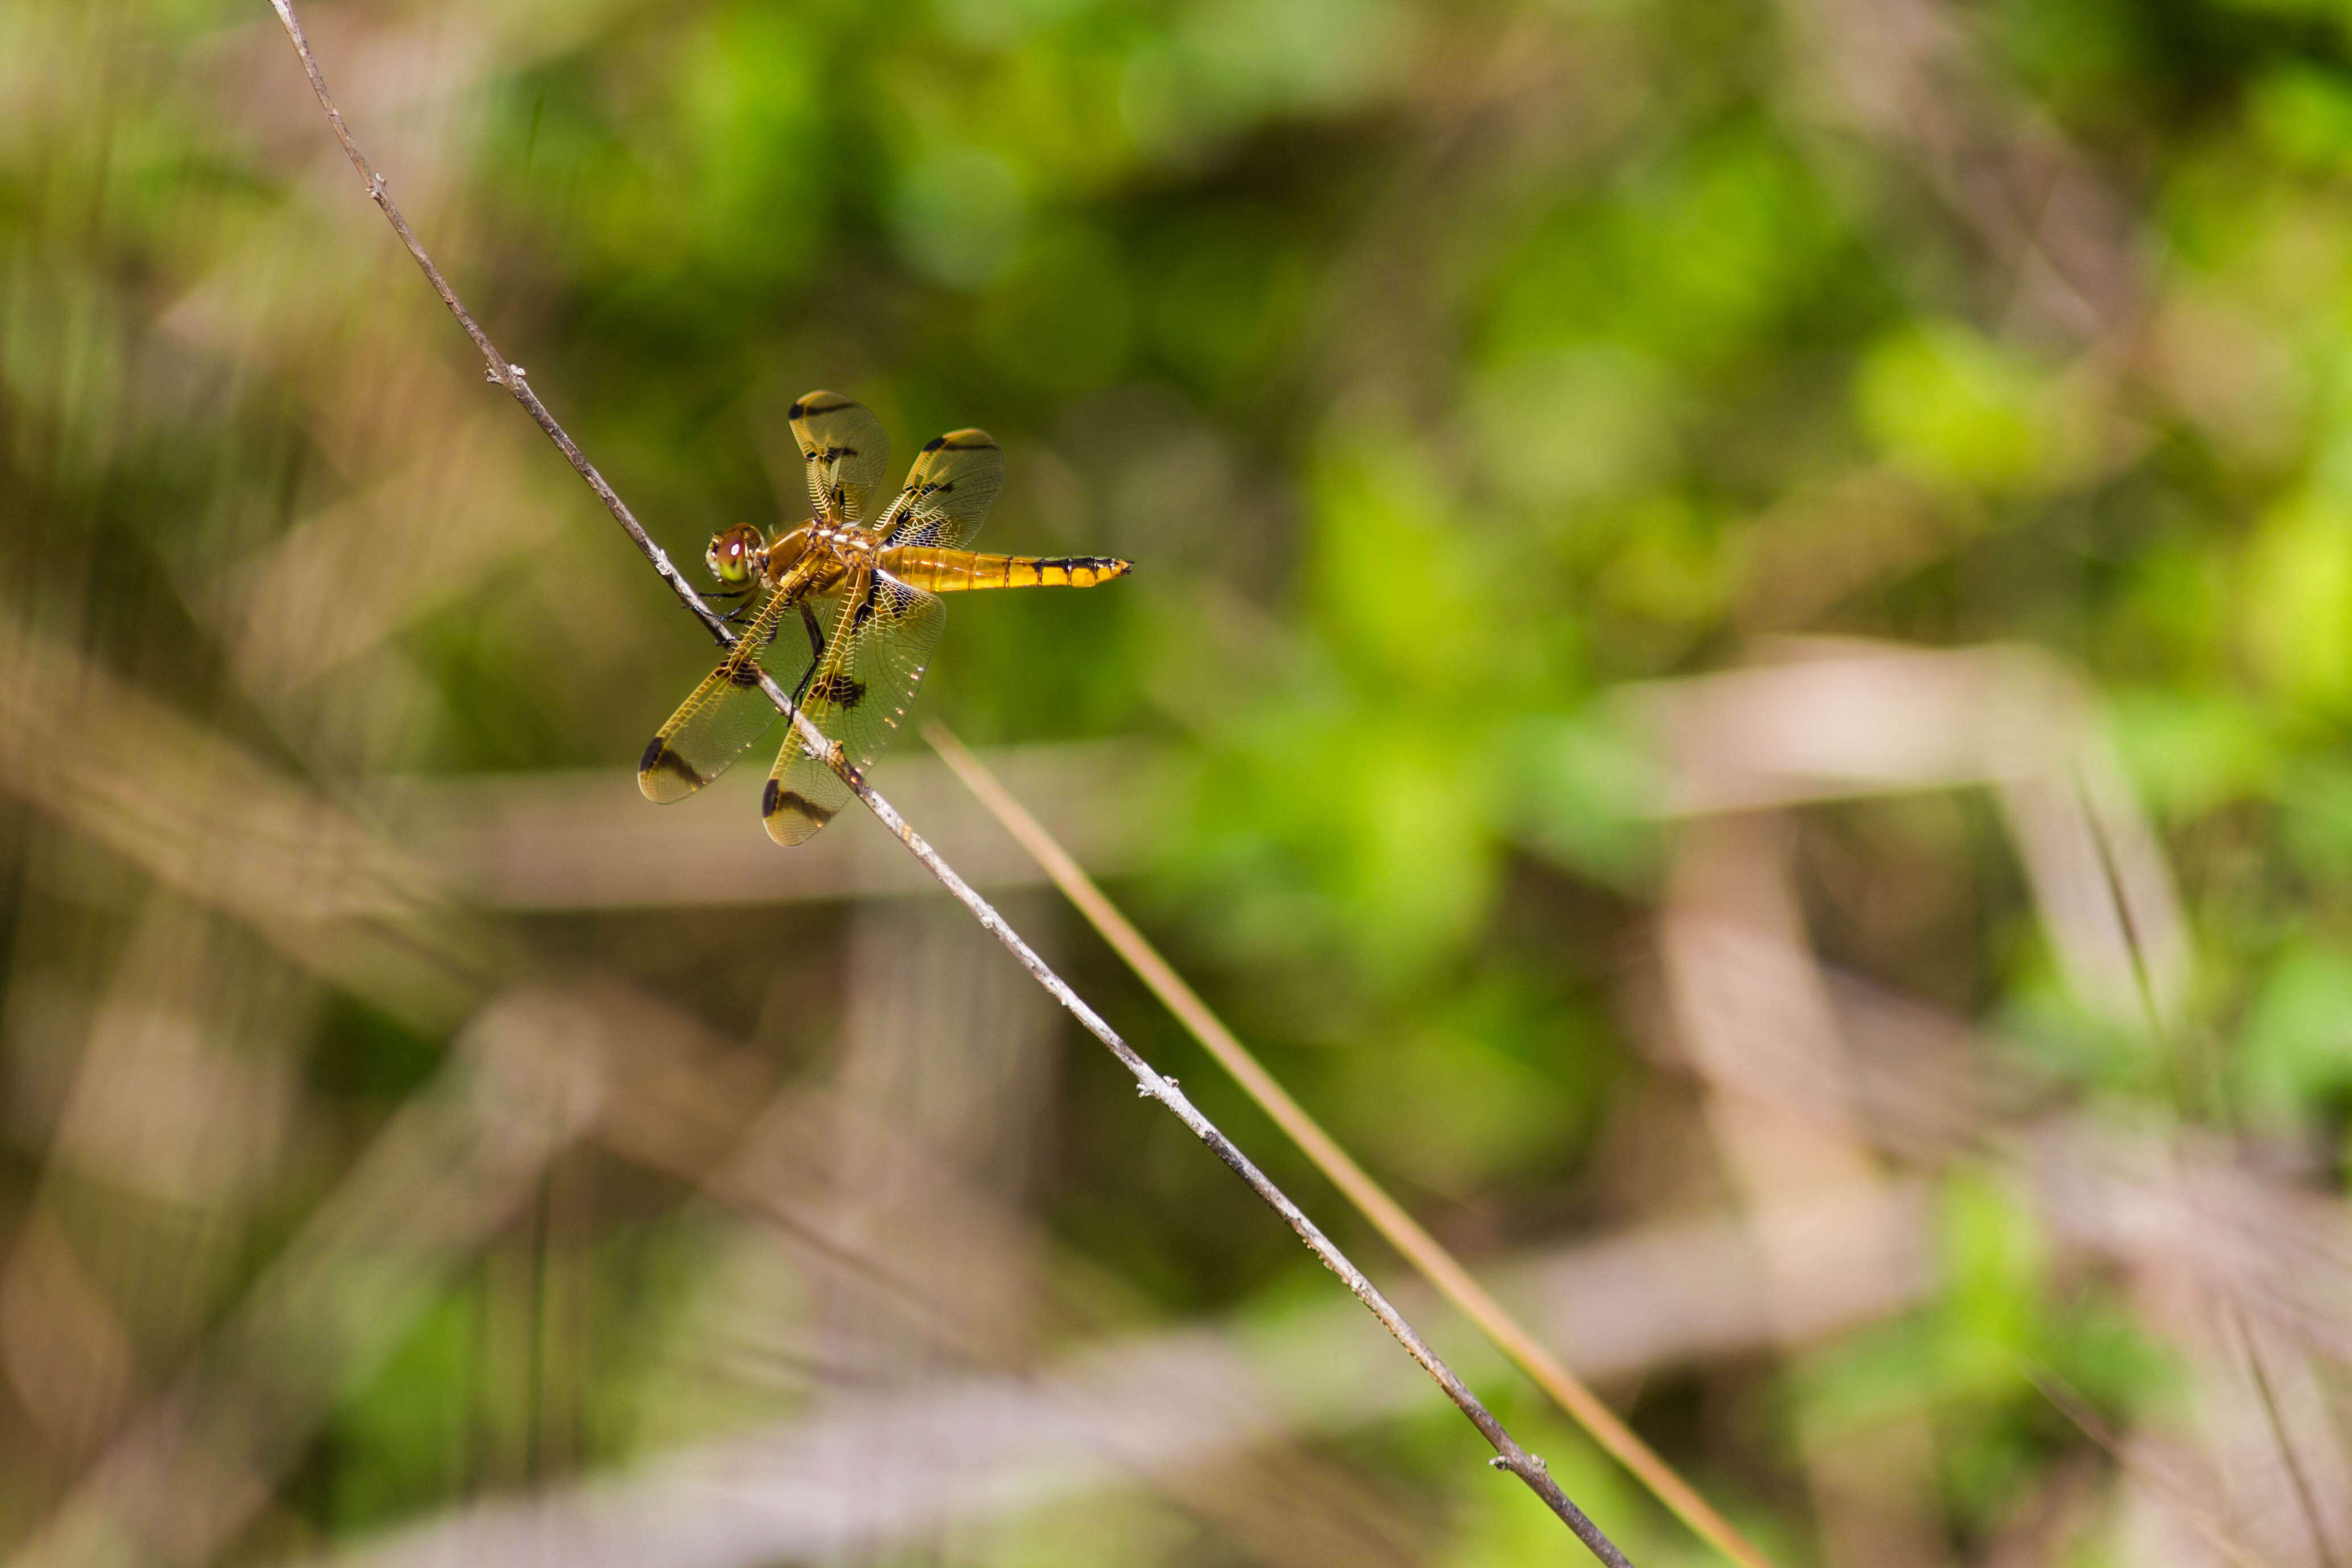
[1957, 409]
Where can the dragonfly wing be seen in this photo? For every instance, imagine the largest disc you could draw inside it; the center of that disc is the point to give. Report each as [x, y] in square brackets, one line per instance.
[728, 711]
[883, 638]
[949, 490]
[846, 452]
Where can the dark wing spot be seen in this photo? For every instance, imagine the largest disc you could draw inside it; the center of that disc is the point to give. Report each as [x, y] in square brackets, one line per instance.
[778, 799]
[746, 674]
[934, 444]
[838, 689]
[660, 759]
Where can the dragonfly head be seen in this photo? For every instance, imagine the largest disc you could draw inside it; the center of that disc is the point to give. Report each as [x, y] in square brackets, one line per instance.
[738, 555]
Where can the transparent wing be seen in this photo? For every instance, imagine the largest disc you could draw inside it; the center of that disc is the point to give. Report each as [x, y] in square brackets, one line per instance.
[883, 638]
[848, 454]
[949, 490]
[729, 712]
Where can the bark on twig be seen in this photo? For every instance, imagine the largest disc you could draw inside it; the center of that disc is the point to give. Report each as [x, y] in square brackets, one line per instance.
[1508, 1455]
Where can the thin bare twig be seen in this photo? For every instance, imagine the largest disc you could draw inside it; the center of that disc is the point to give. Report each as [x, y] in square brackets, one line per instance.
[1508, 1455]
[1422, 1251]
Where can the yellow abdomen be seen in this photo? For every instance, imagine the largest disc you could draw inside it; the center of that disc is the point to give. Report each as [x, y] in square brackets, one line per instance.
[962, 570]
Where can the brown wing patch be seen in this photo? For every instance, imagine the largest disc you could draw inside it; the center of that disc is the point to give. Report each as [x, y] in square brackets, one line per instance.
[838, 689]
[793, 813]
[669, 770]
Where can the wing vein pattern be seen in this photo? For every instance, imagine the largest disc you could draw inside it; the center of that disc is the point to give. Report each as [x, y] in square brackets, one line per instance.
[882, 640]
[847, 455]
[725, 713]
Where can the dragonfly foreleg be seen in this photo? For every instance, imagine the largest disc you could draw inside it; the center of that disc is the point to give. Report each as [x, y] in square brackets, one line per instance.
[817, 658]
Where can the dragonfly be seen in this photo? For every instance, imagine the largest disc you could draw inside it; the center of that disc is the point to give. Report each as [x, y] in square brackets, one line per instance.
[843, 610]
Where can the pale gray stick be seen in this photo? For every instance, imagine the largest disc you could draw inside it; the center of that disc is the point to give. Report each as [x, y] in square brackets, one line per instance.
[1508, 1455]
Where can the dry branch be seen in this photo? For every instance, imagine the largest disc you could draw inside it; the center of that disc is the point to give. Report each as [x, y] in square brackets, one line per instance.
[1509, 1455]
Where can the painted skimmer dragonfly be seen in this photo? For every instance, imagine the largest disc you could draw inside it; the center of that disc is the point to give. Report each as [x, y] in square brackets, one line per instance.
[866, 596]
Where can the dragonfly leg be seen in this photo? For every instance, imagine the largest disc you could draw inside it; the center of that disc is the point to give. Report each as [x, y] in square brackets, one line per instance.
[816, 639]
[817, 658]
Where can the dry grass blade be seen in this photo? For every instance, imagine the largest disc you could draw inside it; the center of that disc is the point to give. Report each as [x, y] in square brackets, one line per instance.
[1419, 1248]
[180, 1482]
[2077, 1410]
[1171, 1407]
[2306, 1496]
[1508, 1455]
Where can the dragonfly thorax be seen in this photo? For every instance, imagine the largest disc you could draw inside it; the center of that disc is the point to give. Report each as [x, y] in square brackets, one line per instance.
[832, 552]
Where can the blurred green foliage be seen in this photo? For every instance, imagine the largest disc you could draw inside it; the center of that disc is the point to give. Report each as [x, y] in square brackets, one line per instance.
[1443, 368]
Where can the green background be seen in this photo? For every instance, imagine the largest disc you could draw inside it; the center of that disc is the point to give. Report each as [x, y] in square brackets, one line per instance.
[1443, 369]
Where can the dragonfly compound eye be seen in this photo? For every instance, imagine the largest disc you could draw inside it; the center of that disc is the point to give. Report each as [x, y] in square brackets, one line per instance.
[732, 553]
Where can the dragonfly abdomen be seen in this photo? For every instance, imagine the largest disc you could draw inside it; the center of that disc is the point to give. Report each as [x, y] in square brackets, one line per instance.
[962, 570]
